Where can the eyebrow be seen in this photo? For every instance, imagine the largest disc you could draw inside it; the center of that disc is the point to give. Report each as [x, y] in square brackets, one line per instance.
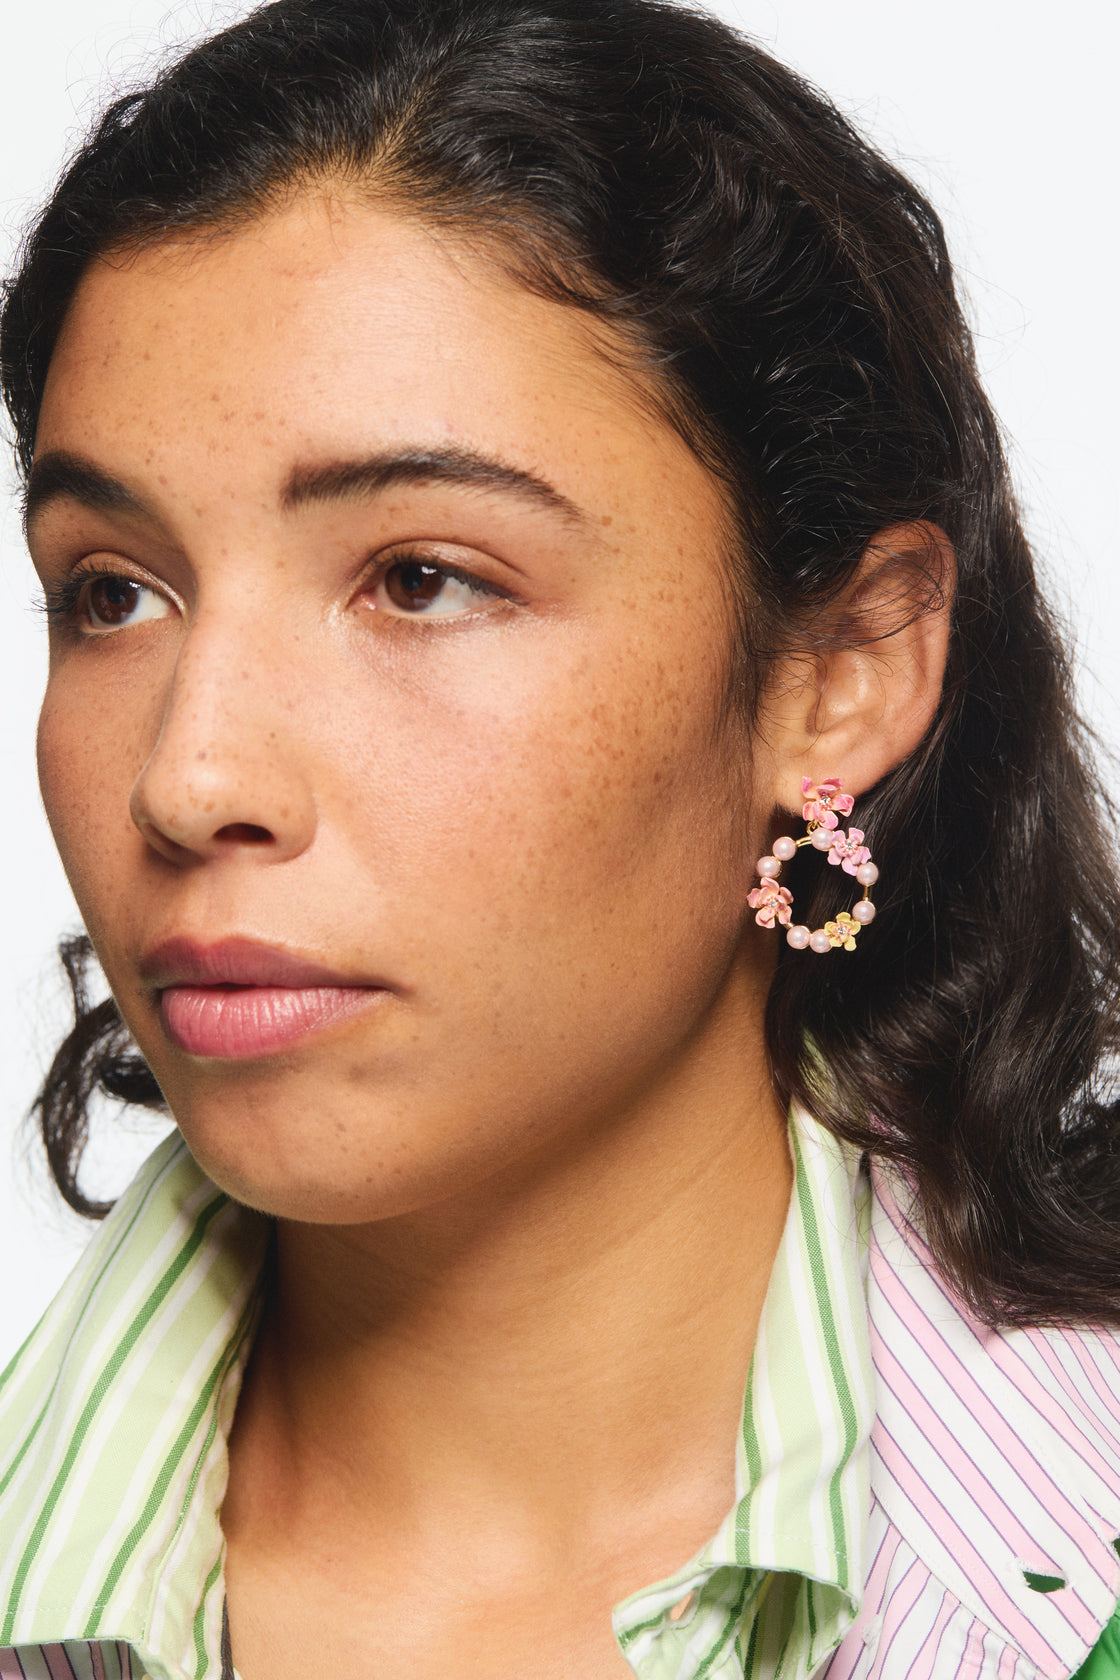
[61, 473]
[339, 480]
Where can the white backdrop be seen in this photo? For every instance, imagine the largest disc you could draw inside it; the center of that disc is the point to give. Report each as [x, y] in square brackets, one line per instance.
[1003, 113]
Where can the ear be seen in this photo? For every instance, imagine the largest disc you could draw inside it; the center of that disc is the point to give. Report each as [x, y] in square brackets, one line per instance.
[860, 699]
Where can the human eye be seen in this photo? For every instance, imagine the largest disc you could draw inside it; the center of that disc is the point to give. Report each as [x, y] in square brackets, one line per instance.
[97, 601]
[414, 586]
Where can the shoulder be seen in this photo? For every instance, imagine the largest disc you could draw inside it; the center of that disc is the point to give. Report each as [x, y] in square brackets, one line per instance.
[111, 1411]
[149, 1240]
[995, 1475]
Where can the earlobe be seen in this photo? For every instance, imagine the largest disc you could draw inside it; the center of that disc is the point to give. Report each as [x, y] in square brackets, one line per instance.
[861, 700]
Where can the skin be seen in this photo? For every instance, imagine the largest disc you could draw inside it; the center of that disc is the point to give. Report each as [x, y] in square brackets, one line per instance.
[528, 1200]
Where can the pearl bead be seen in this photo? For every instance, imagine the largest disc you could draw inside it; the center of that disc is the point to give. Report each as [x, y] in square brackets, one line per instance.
[864, 911]
[797, 936]
[769, 866]
[822, 839]
[867, 874]
[820, 941]
[785, 848]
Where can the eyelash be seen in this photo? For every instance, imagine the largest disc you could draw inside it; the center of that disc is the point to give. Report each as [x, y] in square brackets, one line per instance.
[453, 574]
[62, 598]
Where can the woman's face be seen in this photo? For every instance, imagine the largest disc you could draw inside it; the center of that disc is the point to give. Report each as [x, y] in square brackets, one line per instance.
[383, 737]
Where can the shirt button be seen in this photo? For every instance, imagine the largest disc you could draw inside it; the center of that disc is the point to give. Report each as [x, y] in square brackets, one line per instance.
[681, 1610]
[872, 1630]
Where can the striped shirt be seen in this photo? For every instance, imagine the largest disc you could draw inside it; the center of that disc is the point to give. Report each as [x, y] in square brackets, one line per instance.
[916, 1496]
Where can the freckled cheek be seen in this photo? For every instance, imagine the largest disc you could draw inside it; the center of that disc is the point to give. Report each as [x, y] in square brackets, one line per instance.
[559, 795]
[88, 759]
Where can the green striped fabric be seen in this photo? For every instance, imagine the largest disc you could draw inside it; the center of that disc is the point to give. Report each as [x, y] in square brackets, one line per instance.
[114, 1417]
[779, 1585]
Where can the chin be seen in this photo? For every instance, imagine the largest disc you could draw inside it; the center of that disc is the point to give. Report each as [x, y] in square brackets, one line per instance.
[334, 1172]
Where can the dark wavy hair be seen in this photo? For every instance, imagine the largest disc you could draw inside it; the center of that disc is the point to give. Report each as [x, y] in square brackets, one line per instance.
[792, 294]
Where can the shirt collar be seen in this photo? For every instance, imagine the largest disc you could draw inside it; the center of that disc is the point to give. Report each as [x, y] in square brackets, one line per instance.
[780, 1582]
[113, 1419]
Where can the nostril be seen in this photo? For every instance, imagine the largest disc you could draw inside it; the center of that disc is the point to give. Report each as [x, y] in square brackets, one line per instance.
[244, 834]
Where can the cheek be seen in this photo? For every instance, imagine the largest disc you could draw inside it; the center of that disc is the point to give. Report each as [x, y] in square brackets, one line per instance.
[88, 751]
[550, 793]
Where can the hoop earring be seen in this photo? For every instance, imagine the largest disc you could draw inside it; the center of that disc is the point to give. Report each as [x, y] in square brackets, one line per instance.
[825, 804]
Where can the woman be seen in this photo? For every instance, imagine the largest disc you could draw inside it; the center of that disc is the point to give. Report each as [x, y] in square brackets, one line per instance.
[505, 476]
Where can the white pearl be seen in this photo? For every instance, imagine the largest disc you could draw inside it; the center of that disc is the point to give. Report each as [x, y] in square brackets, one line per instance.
[864, 911]
[820, 941]
[769, 866]
[822, 839]
[785, 848]
[867, 874]
[797, 936]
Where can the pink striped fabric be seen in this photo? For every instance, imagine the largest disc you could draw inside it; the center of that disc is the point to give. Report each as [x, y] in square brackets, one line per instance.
[995, 1457]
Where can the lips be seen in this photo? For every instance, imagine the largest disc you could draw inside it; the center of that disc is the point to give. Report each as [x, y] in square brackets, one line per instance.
[238, 1000]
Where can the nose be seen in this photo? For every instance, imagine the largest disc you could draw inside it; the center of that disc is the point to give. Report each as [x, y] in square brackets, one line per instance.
[228, 770]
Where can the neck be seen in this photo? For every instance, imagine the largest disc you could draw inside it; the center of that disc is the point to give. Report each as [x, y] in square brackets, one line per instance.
[559, 1352]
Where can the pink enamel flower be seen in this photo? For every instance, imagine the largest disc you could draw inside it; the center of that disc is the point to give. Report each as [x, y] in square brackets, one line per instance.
[772, 904]
[824, 803]
[847, 851]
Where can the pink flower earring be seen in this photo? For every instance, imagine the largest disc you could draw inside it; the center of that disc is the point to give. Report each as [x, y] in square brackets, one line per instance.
[825, 804]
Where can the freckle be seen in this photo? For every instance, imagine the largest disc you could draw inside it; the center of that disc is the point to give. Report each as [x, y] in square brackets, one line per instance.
[200, 756]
